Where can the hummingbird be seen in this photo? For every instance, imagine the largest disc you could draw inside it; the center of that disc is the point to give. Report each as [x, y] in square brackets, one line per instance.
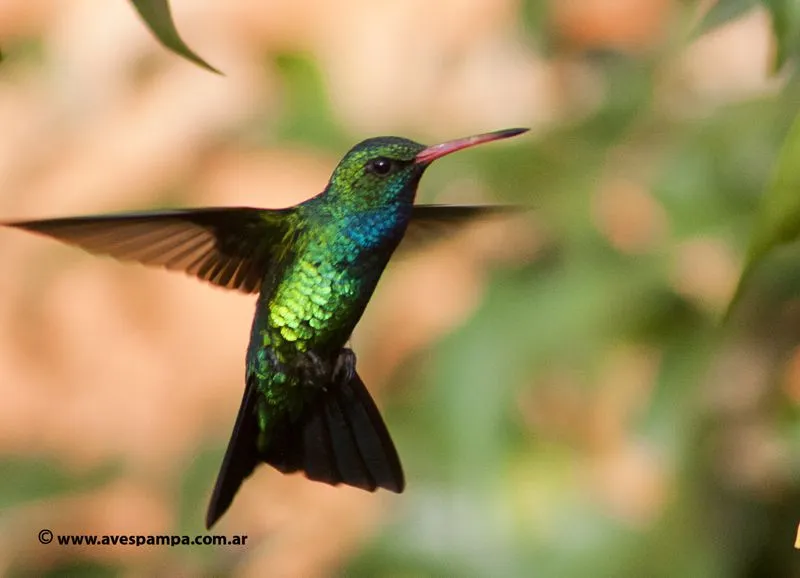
[314, 267]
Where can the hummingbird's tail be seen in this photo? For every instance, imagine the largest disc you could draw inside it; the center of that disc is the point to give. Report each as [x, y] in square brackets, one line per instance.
[340, 438]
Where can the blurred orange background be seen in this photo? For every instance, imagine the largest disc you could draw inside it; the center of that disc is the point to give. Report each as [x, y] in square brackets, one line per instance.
[103, 363]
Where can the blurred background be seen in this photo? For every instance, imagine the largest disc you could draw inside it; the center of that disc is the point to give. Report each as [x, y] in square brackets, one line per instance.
[557, 385]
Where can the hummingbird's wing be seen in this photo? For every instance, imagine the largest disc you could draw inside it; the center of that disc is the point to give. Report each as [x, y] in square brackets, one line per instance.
[431, 222]
[232, 247]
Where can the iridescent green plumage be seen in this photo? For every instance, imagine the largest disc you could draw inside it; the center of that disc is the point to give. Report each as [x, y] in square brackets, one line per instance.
[315, 267]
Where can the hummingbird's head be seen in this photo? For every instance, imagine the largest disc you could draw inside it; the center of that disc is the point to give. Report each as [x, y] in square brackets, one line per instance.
[381, 170]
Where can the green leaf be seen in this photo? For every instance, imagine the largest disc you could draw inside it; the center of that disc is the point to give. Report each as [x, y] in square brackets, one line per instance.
[157, 16]
[723, 12]
[778, 220]
[786, 27]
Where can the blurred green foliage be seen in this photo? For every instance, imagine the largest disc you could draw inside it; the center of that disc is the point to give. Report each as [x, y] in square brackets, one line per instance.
[723, 12]
[778, 219]
[786, 25]
[496, 499]
[785, 15]
[306, 115]
[25, 480]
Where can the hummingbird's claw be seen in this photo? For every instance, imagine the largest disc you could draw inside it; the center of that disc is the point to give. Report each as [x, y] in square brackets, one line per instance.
[313, 370]
[345, 367]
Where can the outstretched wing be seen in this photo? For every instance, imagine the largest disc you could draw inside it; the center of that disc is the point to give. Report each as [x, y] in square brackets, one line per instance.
[431, 222]
[231, 247]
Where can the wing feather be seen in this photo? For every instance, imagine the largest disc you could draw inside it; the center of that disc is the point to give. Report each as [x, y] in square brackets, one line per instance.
[431, 222]
[231, 247]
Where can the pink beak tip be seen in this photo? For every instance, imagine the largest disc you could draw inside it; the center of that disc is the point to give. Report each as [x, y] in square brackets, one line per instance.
[434, 152]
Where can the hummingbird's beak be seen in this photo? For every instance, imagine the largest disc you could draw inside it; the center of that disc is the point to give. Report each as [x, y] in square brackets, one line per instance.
[430, 154]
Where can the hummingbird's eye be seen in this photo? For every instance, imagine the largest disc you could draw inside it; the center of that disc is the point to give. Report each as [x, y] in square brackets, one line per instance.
[380, 166]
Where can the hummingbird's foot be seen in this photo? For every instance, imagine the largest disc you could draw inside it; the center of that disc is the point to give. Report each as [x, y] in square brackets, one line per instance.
[313, 370]
[345, 367]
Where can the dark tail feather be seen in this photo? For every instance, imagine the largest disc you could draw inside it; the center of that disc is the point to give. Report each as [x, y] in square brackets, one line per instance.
[339, 439]
[240, 459]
